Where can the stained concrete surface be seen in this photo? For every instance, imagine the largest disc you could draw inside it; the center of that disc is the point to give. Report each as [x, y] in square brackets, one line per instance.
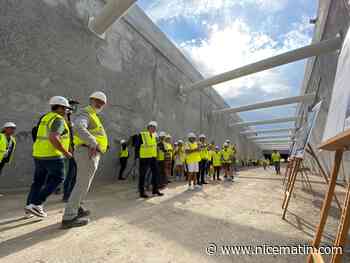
[174, 228]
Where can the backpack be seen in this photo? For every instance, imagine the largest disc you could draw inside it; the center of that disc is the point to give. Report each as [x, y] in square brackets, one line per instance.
[35, 129]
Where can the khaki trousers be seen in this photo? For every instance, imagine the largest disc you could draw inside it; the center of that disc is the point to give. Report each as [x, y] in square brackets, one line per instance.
[86, 169]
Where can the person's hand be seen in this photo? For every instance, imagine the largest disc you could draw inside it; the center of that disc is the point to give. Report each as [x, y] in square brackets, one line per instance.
[68, 155]
[92, 152]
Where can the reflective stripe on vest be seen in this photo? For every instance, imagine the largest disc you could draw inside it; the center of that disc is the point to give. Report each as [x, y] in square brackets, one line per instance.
[98, 131]
[124, 153]
[148, 148]
[42, 146]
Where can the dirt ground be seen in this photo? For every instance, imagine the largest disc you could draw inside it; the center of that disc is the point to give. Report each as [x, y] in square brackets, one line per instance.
[178, 227]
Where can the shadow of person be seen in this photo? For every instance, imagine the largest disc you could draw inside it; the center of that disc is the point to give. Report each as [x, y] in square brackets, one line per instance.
[19, 243]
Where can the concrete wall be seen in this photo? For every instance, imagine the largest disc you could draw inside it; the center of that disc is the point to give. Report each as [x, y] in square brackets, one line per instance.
[333, 18]
[46, 50]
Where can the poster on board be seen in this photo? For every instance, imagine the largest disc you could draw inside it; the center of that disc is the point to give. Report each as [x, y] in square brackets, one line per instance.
[338, 118]
[304, 135]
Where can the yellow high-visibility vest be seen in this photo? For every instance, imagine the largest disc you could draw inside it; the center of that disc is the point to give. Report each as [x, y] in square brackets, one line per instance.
[169, 149]
[217, 159]
[194, 157]
[4, 144]
[124, 153]
[204, 153]
[42, 146]
[226, 156]
[148, 147]
[98, 132]
[160, 153]
[276, 157]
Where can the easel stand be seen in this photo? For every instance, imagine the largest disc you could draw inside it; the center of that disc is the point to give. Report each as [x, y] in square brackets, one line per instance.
[297, 168]
[288, 170]
[337, 144]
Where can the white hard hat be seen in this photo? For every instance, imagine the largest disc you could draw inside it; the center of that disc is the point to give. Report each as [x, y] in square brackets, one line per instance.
[99, 95]
[122, 141]
[225, 144]
[9, 125]
[228, 141]
[168, 136]
[153, 124]
[191, 135]
[202, 136]
[59, 100]
[162, 134]
[180, 141]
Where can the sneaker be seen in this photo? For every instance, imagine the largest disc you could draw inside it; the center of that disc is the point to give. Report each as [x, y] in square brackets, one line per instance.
[28, 215]
[158, 193]
[75, 222]
[36, 210]
[189, 188]
[83, 213]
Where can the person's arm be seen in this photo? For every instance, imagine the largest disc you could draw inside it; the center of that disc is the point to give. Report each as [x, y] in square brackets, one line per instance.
[54, 138]
[56, 131]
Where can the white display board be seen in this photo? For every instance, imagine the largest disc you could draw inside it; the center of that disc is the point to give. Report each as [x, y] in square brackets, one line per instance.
[338, 118]
[306, 131]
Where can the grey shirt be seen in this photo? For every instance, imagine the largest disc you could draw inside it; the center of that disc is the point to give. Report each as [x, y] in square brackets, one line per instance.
[81, 126]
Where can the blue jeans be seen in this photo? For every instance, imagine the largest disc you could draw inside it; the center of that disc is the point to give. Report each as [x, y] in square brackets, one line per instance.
[48, 175]
[70, 179]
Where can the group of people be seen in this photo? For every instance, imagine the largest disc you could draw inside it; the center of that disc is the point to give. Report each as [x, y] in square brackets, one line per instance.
[62, 149]
[70, 151]
[194, 159]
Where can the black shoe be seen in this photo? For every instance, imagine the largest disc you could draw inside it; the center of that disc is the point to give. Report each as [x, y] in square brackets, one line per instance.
[158, 193]
[144, 195]
[83, 213]
[205, 183]
[75, 222]
[121, 178]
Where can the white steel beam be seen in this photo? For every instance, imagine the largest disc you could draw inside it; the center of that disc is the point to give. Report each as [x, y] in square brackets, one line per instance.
[267, 104]
[315, 49]
[269, 137]
[267, 131]
[111, 12]
[262, 122]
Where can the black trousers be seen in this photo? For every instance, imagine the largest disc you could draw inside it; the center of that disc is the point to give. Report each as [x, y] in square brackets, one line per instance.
[217, 172]
[2, 164]
[277, 167]
[203, 170]
[70, 179]
[145, 164]
[123, 163]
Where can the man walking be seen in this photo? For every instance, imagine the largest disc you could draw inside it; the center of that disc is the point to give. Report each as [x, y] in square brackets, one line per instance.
[50, 148]
[204, 163]
[123, 158]
[90, 142]
[148, 159]
[276, 160]
[7, 143]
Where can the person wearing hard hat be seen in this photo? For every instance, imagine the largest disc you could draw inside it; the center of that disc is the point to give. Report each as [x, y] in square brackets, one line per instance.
[168, 157]
[192, 158]
[227, 161]
[123, 158]
[7, 143]
[179, 157]
[148, 159]
[51, 147]
[163, 180]
[216, 159]
[203, 164]
[91, 141]
[276, 161]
